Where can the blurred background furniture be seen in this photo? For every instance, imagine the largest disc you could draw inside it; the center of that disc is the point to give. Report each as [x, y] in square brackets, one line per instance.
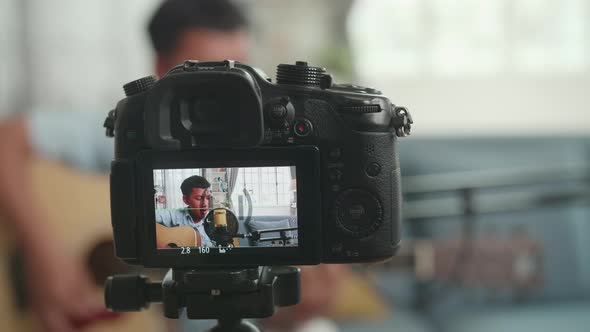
[499, 94]
[538, 187]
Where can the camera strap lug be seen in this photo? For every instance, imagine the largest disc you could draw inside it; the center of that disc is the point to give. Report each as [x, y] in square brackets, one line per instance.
[402, 122]
[109, 124]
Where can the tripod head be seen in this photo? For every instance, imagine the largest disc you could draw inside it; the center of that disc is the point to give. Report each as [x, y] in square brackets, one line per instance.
[227, 295]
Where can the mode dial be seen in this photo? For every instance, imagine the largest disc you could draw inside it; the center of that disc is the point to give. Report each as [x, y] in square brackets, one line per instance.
[302, 74]
[138, 86]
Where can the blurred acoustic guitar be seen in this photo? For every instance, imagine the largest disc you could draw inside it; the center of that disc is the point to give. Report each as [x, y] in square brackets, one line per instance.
[76, 205]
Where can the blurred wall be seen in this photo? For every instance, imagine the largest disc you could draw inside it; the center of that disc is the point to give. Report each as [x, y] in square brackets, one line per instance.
[76, 54]
[68, 54]
[492, 67]
[464, 67]
[287, 31]
[11, 51]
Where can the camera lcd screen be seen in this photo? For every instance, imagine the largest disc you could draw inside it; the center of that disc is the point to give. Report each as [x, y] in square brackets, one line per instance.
[201, 211]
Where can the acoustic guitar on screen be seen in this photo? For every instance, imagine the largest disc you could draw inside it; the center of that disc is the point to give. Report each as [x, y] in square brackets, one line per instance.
[174, 237]
[220, 224]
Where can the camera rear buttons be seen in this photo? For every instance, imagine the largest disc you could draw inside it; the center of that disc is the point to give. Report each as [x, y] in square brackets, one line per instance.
[334, 154]
[373, 169]
[302, 127]
[280, 113]
[335, 175]
[358, 213]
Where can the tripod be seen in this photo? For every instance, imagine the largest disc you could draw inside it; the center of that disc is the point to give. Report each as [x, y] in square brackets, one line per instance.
[227, 295]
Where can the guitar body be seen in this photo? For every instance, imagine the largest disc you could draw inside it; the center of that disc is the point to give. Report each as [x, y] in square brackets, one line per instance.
[76, 205]
[173, 237]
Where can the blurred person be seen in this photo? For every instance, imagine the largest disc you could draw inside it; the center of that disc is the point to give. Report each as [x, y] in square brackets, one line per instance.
[62, 293]
[204, 30]
[179, 30]
[54, 278]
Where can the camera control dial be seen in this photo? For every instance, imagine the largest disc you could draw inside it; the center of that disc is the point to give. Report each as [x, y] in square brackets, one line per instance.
[303, 74]
[357, 212]
[138, 86]
[279, 113]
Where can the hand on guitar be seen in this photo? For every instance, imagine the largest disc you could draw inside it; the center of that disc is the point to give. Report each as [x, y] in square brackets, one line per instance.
[62, 295]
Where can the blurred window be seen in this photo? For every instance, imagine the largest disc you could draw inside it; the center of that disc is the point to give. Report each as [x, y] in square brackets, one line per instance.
[478, 67]
[268, 186]
[470, 37]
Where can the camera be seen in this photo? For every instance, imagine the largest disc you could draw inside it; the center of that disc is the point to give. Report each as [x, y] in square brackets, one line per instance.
[217, 166]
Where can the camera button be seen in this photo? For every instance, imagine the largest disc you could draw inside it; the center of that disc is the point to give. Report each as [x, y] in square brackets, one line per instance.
[335, 175]
[302, 128]
[335, 154]
[278, 112]
[373, 169]
[357, 212]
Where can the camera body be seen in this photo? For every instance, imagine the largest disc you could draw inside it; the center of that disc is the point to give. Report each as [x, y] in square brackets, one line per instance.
[340, 140]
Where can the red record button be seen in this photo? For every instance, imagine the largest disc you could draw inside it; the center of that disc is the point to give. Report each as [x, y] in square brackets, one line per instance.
[302, 128]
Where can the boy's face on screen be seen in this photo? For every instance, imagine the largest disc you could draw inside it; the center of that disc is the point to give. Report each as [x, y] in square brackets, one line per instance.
[198, 202]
